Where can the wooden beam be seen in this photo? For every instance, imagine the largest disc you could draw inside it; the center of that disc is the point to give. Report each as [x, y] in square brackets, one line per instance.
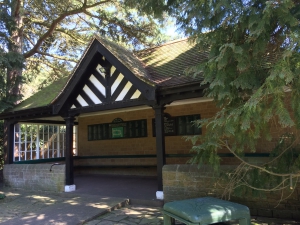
[147, 90]
[180, 96]
[160, 143]
[45, 122]
[28, 114]
[84, 66]
[8, 140]
[110, 106]
[69, 150]
[181, 89]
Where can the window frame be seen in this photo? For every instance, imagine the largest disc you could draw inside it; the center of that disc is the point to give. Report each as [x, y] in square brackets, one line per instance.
[131, 129]
[48, 144]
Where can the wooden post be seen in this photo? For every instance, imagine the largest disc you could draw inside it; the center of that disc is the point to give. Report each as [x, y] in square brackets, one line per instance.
[8, 144]
[69, 150]
[160, 143]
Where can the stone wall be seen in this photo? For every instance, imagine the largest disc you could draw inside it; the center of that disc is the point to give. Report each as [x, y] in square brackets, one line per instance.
[37, 177]
[187, 181]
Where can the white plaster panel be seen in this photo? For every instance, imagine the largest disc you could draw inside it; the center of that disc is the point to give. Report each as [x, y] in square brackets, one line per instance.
[98, 85]
[136, 94]
[116, 83]
[124, 91]
[91, 94]
[81, 101]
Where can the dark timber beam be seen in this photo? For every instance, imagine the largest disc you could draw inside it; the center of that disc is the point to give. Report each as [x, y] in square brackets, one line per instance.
[181, 96]
[69, 150]
[8, 144]
[110, 106]
[160, 143]
[45, 122]
[28, 114]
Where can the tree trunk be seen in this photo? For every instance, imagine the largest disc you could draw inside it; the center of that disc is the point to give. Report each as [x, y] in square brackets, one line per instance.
[14, 75]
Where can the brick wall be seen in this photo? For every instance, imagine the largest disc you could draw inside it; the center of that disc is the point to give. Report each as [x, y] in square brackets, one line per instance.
[136, 146]
[187, 181]
[132, 171]
[35, 177]
[146, 146]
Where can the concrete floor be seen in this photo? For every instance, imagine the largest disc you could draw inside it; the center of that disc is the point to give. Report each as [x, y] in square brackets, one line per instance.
[140, 190]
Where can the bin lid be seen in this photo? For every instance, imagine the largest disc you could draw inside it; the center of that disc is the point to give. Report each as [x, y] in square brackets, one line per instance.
[207, 210]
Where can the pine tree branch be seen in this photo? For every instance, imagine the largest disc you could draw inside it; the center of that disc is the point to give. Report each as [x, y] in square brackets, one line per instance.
[291, 145]
[70, 35]
[126, 28]
[55, 23]
[88, 23]
[255, 166]
[45, 63]
[65, 31]
[276, 188]
[16, 11]
[57, 57]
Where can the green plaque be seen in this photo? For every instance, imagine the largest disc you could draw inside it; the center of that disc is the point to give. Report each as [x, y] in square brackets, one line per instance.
[117, 132]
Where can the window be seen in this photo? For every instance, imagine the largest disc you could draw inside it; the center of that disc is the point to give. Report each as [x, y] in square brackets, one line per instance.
[117, 130]
[41, 141]
[179, 125]
[185, 125]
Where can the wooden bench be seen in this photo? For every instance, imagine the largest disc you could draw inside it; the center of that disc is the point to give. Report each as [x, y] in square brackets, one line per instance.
[202, 211]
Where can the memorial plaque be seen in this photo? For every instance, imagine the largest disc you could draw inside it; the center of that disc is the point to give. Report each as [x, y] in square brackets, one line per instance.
[169, 126]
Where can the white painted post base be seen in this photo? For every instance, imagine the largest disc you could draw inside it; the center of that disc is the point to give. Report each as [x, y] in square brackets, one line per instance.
[160, 195]
[70, 188]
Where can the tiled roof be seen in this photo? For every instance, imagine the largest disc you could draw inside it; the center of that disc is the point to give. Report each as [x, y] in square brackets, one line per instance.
[161, 66]
[167, 63]
[128, 59]
[43, 97]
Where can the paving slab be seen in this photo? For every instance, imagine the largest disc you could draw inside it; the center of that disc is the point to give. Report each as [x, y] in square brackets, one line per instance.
[130, 215]
[23, 207]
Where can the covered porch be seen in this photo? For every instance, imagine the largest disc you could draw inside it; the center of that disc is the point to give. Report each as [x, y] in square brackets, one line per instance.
[116, 110]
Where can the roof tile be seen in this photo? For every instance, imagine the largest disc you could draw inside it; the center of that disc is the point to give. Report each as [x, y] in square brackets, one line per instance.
[162, 66]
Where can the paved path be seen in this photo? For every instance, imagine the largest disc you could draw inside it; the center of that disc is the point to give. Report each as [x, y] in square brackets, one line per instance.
[22, 207]
[132, 215]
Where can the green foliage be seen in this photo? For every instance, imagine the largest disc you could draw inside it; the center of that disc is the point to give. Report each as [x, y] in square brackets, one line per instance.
[51, 35]
[252, 70]
[253, 76]
[275, 175]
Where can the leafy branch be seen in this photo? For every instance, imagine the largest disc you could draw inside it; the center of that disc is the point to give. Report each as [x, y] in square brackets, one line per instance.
[55, 23]
[225, 144]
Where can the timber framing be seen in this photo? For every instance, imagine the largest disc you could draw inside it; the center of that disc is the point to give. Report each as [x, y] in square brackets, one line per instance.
[137, 72]
[109, 77]
[28, 114]
[98, 54]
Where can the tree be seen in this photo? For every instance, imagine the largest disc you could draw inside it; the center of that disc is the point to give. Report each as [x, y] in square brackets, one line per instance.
[253, 75]
[41, 41]
[8, 60]
[252, 69]
[50, 35]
